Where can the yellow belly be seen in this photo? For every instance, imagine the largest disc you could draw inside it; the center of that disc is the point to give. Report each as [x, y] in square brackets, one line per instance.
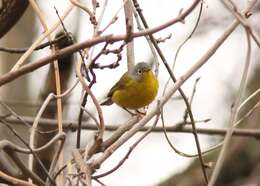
[137, 94]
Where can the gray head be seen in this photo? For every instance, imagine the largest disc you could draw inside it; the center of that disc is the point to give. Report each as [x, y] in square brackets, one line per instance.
[139, 69]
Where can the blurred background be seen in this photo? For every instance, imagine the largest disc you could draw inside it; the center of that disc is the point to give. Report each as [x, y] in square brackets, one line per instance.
[153, 162]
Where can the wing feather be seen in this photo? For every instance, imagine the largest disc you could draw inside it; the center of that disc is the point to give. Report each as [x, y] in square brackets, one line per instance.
[118, 86]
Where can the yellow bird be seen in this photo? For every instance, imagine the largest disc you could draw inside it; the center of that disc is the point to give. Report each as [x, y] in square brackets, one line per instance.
[135, 89]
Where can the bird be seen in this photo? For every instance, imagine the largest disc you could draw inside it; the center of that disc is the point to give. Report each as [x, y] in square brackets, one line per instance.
[136, 88]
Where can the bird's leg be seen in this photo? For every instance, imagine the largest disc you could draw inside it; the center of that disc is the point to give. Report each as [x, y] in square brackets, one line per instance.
[137, 112]
[140, 112]
[131, 113]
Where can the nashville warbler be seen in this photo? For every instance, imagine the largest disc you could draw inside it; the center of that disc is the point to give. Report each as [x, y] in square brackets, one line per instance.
[135, 89]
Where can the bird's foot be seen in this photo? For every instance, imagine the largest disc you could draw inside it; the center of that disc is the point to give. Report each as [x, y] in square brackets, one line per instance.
[131, 113]
[136, 113]
[140, 112]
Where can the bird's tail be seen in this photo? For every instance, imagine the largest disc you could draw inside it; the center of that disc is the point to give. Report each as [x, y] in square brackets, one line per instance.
[107, 101]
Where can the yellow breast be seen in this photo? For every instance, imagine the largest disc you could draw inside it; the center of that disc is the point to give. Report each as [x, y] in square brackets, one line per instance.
[137, 93]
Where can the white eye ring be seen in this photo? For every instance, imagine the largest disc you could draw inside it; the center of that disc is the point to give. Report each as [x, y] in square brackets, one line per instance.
[139, 71]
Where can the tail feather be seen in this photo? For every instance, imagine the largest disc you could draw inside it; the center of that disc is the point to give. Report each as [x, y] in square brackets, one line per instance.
[108, 101]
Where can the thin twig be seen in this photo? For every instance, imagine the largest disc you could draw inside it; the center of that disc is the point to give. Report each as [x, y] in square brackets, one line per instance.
[86, 9]
[248, 99]
[14, 181]
[98, 181]
[39, 47]
[56, 157]
[99, 110]
[34, 127]
[83, 168]
[191, 98]
[231, 6]
[91, 116]
[113, 20]
[59, 104]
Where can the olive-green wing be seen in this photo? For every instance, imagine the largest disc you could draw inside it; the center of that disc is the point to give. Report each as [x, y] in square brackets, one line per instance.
[119, 85]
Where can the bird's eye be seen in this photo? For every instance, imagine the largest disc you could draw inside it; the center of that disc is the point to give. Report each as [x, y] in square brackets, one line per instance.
[139, 71]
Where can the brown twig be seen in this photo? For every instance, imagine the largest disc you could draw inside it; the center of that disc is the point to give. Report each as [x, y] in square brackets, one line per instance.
[39, 47]
[163, 39]
[14, 181]
[231, 6]
[99, 138]
[185, 116]
[98, 181]
[113, 20]
[72, 125]
[92, 17]
[55, 158]
[83, 168]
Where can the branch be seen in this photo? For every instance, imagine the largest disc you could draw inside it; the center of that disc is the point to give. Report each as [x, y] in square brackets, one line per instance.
[129, 30]
[72, 125]
[83, 168]
[14, 180]
[17, 72]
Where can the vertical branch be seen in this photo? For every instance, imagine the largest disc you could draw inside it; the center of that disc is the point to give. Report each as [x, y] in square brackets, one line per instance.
[155, 61]
[59, 114]
[129, 30]
[57, 78]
